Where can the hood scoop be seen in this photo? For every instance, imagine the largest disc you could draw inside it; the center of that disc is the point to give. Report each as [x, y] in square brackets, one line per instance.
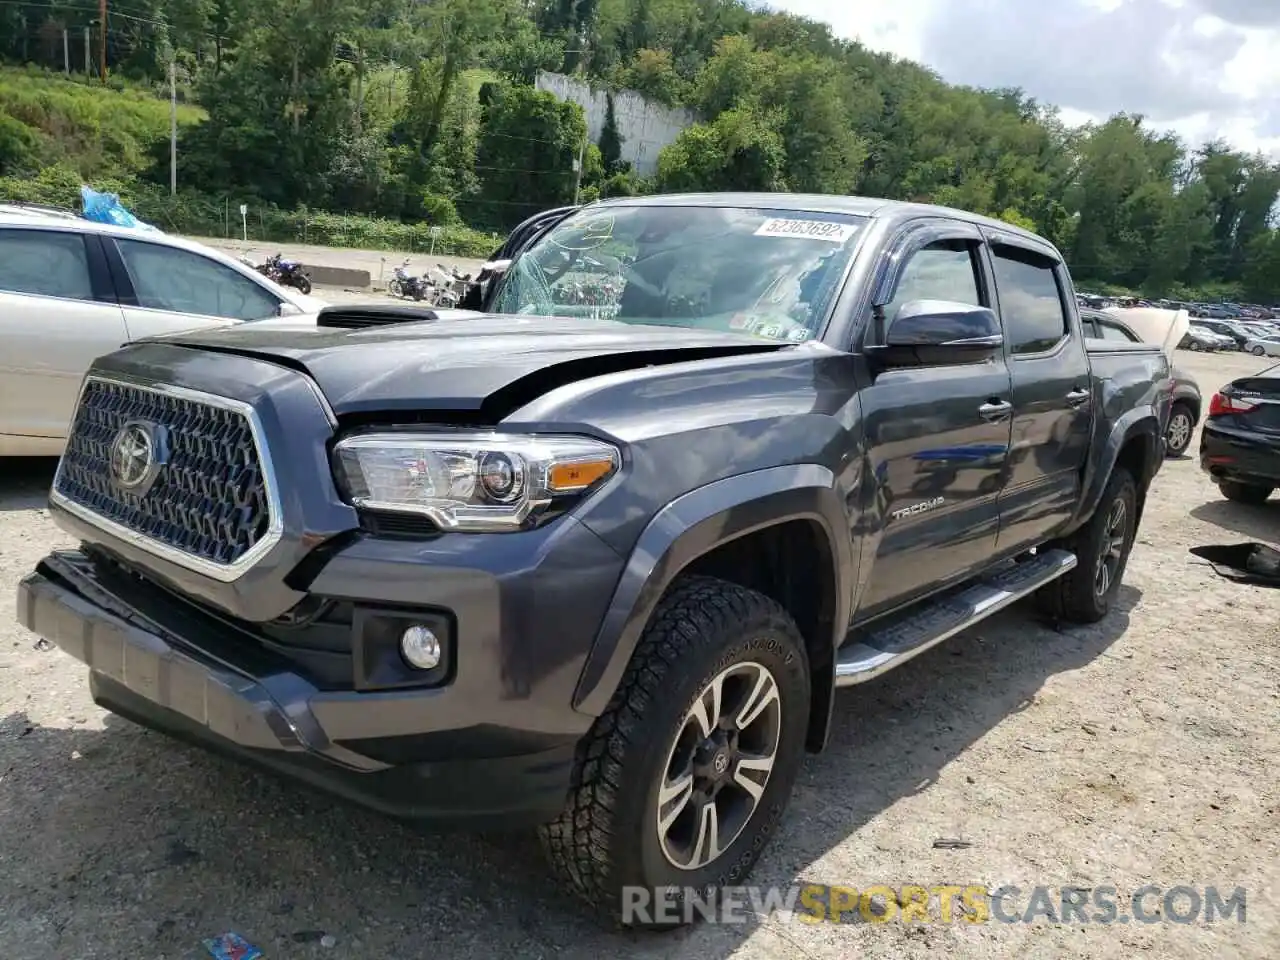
[361, 315]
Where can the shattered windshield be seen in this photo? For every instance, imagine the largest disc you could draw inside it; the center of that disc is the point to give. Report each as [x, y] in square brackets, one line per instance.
[764, 272]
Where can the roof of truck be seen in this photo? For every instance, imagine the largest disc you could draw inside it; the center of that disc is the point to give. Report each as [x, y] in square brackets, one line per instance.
[825, 203]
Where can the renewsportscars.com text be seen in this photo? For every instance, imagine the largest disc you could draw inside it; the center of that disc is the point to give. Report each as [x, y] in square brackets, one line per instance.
[939, 903]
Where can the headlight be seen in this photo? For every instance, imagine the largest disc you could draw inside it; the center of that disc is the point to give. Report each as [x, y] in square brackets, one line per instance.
[469, 481]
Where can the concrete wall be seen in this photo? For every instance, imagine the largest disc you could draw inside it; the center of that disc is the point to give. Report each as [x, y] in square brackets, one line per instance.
[645, 127]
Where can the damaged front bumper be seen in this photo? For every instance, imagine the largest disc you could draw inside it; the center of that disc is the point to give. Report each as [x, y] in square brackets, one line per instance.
[165, 664]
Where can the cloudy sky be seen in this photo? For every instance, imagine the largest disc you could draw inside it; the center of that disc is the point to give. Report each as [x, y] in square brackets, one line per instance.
[1204, 68]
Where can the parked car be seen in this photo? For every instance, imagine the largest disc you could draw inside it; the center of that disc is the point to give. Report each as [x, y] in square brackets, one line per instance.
[72, 289]
[1201, 339]
[1227, 328]
[1184, 413]
[818, 436]
[1263, 346]
[1240, 442]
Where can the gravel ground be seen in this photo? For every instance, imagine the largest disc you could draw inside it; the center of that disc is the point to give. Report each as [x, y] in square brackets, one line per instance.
[1142, 750]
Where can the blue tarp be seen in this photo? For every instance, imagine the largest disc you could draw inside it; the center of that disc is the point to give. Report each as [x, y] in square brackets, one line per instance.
[107, 208]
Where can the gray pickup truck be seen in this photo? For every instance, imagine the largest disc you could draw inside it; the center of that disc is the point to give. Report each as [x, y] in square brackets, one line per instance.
[598, 558]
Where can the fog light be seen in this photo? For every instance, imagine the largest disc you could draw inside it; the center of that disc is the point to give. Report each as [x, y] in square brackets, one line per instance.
[420, 648]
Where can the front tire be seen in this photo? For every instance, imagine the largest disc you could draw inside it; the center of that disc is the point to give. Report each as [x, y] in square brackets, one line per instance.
[1244, 492]
[1102, 550]
[682, 780]
[1194, 346]
[1181, 426]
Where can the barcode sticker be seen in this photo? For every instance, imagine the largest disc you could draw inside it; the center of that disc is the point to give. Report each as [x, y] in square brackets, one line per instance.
[807, 230]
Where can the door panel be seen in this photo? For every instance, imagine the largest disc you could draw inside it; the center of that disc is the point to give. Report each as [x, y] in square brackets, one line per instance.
[938, 466]
[1052, 395]
[937, 462]
[55, 320]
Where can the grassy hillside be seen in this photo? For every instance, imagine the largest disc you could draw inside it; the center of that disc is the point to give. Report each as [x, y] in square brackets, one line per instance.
[58, 132]
[103, 133]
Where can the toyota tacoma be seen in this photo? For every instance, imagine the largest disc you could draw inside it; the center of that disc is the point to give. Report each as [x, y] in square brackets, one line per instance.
[597, 557]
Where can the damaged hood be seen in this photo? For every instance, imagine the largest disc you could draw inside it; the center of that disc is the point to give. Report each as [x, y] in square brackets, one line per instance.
[486, 363]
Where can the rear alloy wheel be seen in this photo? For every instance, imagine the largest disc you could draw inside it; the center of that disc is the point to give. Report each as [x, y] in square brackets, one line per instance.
[1258, 351]
[682, 780]
[1101, 546]
[1244, 492]
[1111, 548]
[1181, 425]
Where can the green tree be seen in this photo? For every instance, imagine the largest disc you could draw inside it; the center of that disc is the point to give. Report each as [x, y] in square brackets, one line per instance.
[740, 150]
[610, 139]
[527, 146]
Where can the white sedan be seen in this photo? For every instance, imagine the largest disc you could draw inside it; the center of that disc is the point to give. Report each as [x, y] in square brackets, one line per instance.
[72, 289]
[1263, 346]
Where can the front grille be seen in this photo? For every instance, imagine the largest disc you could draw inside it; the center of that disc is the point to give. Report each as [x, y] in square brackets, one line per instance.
[208, 500]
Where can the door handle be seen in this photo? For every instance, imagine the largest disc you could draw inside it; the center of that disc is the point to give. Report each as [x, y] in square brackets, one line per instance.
[1077, 397]
[993, 411]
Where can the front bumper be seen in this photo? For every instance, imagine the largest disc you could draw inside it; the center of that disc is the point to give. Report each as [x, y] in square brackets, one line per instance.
[1245, 456]
[492, 746]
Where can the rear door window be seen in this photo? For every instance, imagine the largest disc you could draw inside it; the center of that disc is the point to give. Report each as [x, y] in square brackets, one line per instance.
[44, 263]
[1031, 303]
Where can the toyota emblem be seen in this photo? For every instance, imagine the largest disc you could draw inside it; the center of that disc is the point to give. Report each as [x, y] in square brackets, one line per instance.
[137, 453]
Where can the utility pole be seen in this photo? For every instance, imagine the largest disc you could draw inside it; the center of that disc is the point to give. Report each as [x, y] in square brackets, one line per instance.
[359, 90]
[582, 147]
[66, 53]
[577, 164]
[102, 40]
[88, 57]
[173, 126]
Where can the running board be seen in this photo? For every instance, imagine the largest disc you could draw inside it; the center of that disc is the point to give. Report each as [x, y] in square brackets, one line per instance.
[886, 645]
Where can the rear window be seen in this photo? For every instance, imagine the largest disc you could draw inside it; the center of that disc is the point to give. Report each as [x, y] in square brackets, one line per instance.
[44, 263]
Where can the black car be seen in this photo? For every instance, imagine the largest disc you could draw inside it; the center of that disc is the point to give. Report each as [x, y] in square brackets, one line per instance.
[1187, 402]
[1240, 444]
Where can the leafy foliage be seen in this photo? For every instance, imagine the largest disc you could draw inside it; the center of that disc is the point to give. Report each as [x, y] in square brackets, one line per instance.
[411, 114]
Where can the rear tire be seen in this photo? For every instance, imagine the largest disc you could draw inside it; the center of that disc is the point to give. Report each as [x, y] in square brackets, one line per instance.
[714, 655]
[1258, 352]
[1102, 550]
[1182, 424]
[1244, 492]
[304, 285]
[1194, 346]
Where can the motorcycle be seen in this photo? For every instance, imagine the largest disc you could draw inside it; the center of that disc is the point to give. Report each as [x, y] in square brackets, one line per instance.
[288, 273]
[450, 285]
[405, 284]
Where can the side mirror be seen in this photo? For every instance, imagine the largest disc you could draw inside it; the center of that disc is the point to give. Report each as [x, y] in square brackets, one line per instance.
[939, 333]
[287, 309]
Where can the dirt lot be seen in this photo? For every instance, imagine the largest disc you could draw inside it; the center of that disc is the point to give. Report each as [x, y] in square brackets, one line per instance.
[1143, 750]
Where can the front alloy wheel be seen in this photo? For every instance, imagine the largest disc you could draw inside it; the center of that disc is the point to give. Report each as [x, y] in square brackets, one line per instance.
[719, 765]
[682, 780]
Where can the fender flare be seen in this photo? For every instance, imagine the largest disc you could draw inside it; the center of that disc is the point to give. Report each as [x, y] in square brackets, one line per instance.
[1141, 422]
[693, 525]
